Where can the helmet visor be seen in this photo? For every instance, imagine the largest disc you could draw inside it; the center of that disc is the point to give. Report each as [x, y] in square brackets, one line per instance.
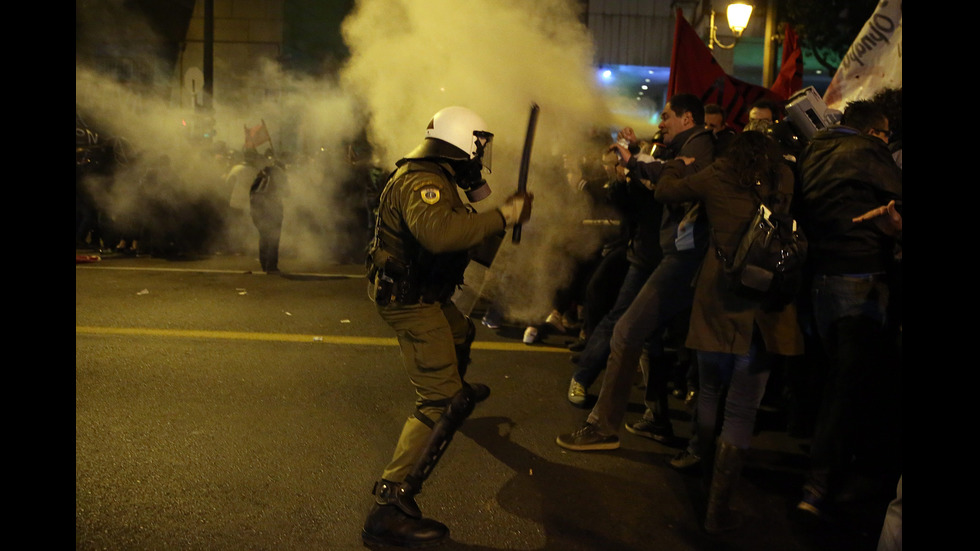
[484, 147]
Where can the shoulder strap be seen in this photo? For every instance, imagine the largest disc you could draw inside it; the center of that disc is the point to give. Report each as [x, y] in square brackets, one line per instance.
[772, 190]
[259, 182]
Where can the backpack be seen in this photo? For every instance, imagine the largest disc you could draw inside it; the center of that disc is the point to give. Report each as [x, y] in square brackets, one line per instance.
[768, 262]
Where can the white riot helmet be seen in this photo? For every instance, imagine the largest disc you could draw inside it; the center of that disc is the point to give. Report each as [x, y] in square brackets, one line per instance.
[465, 129]
[459, 135]
[462, 128]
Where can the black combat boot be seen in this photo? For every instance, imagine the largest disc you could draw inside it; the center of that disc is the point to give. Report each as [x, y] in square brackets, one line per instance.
[395, 520]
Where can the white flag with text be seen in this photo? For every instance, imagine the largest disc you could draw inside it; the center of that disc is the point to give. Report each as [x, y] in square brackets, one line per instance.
[874, 60]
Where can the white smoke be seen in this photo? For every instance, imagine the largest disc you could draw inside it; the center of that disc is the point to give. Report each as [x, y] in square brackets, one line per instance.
[409, 59]
[310, 122]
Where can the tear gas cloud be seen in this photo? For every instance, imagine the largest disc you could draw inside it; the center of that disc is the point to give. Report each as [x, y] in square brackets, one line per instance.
[310, 122]
[408, 60]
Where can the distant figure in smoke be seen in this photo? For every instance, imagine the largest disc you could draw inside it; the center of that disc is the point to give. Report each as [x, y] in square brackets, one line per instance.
[268, 189]
[422, 243]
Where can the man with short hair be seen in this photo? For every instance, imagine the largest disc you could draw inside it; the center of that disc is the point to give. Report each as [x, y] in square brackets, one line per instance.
[646, 306]
[714, 118]
[763, 109]
[715, 121]
[846, 171]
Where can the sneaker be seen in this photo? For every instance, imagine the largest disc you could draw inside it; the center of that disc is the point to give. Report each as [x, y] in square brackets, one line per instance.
[554, 320]
[812, 505]
[491, 319]
[648, 429]
[685, 461]
[576, 393]
[588, 438]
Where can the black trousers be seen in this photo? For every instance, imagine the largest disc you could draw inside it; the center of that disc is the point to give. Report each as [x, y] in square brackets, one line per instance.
[269, 225]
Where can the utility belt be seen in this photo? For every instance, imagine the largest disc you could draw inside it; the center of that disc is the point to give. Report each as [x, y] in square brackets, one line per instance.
[396, 281]
[393, 283]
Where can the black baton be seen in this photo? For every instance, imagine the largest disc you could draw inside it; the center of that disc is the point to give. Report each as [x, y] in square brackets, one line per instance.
[532, 123]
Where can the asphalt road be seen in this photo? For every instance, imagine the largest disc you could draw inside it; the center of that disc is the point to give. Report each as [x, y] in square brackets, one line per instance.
[218, 408]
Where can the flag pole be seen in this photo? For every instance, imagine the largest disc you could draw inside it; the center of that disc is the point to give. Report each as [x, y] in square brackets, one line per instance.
[769, 70]
[271, 147]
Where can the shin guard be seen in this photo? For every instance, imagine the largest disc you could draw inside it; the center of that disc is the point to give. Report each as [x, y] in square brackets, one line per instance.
[460, 407]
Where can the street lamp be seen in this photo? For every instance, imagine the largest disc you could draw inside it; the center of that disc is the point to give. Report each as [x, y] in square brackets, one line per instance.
[738, 18]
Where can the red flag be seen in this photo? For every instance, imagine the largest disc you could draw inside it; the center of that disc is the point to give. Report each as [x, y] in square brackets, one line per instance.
[256, 136]
[790, 77]
[694, 70]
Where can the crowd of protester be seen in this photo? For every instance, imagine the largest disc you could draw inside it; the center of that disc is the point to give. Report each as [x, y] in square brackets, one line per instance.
[828, 364]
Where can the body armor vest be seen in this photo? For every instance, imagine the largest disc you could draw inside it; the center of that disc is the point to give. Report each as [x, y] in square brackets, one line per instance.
[402, 269]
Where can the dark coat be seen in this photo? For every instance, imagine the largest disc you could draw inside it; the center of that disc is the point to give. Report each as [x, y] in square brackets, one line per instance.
[694, 142]
[266, 196]
[720, 320]
[844, 174]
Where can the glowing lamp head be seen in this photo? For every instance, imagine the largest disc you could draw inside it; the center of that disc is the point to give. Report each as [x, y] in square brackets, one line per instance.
[738, 16]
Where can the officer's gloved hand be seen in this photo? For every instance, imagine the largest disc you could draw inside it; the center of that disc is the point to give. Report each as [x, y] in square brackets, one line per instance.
[517, 209]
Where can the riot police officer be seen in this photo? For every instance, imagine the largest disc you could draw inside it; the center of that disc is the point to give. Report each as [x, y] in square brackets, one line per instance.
[423, 238]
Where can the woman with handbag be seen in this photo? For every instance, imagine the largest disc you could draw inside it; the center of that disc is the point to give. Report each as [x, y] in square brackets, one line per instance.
[736, 337]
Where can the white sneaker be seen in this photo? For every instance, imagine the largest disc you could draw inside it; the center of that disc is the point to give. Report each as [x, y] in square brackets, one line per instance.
[576, 393]
[554, 320]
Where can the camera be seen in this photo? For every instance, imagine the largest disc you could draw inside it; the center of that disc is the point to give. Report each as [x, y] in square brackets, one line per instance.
[808, 113]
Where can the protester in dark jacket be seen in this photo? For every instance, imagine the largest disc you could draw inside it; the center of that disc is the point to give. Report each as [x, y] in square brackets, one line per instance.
[845, 172]
[648, 304]
[269, 188]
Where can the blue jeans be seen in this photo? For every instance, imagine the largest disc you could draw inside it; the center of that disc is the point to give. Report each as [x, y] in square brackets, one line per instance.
[746, 381]
[666, 294]
[849, 314]
[593, 358]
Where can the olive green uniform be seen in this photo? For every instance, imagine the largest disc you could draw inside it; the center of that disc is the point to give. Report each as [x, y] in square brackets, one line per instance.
[426, 231]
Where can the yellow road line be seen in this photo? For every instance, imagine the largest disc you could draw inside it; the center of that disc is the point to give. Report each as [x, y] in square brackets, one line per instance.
[287, 337]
